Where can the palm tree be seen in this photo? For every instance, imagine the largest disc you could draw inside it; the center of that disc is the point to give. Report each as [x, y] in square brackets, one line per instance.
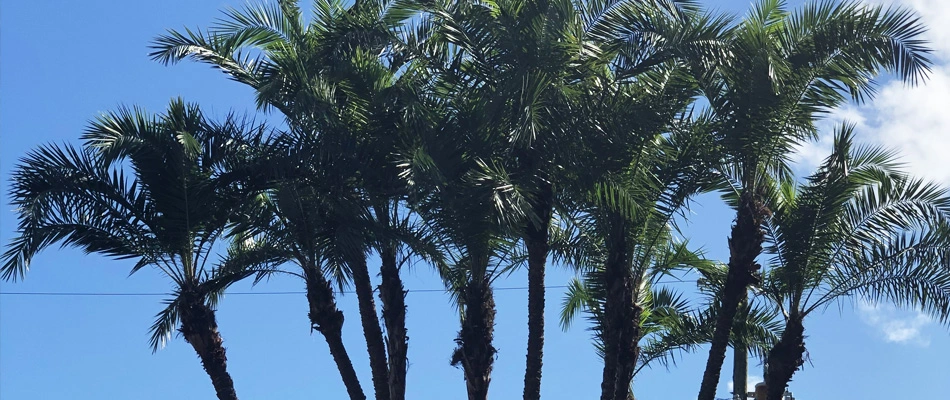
[660, 308]
[519, 61]
[648, 164]
[526, 61]
[294, 220]
[167, 215]
[342, 80]
[669, 325]
[470, 203]
[855, 227]
[755, 328]
[783, 71]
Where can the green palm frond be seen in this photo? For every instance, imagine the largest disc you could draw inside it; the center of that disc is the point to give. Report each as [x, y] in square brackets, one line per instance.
[859, 226]
[165, 323]
[153, 188]
[72, 196]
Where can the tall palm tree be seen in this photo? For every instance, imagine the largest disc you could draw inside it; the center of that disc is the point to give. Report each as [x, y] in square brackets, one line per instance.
[526, 61]
[855, 227]
[342, 81]
[469, 201]
[783, 71]
[167, 215]
[519, 60]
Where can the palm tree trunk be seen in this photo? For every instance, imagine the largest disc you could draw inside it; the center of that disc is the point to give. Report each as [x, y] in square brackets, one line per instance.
[392, 295]
[614, 283]
[740, 362]
[740, 371]
[373, 334]
[327, 319]
[200, 330]
[621, 313]
[629, 351]
[475, 352]
[785, 358]
[536, 239]
[745, 245]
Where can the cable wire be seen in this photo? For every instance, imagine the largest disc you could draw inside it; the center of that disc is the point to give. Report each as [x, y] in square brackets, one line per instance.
[236, 293]
[119, 294]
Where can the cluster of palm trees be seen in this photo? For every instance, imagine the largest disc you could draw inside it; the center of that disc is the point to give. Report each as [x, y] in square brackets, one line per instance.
[482, 136]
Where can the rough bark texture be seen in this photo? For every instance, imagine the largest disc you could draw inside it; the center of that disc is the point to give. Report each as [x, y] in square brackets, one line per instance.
[621, 315]
[475, 353]
[745, 245]
[373, 334]
[200, 329]
[327, 319]
[536, 239]
[392, 295]
[785, 358]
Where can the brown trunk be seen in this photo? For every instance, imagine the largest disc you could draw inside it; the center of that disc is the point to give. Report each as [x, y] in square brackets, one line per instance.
[392, 295]
[621, 314]
[536, 239]
[327, 319]
[200, 330]
[475, 352]
[785, 358]
[745, 245]
[615, 289]
[629, 351]
[373, 334]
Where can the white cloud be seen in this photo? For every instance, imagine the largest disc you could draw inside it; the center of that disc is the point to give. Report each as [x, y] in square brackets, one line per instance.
[895, 326]
[934, 15]
[915, 121]
[750, 382]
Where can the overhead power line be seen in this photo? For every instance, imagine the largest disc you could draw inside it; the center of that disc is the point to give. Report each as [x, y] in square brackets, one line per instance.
[237, 293]
[299, 292]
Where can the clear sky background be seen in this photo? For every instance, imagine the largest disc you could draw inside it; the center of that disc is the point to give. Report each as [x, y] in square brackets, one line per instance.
[63, 62]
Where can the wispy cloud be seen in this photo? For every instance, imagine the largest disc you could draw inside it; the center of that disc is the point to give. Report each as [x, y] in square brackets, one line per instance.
[915, 121]
[895, 326]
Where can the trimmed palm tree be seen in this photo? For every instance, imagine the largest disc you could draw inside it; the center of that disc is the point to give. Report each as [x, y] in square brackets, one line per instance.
[167, 215]
[856, 227]
[783, 71]
[342, 81]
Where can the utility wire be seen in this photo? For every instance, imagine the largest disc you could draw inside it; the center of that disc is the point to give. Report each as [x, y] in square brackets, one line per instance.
[103, 294]
[236, 293]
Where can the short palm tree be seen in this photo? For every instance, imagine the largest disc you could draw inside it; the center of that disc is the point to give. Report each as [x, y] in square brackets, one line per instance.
[293, 220]
[469, 203]
[856, 227]
[783, 71]
[651, 159]
[669, 324]
[167, 215]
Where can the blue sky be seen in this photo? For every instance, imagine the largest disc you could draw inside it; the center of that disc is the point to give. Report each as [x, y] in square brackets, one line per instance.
[63, 62]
